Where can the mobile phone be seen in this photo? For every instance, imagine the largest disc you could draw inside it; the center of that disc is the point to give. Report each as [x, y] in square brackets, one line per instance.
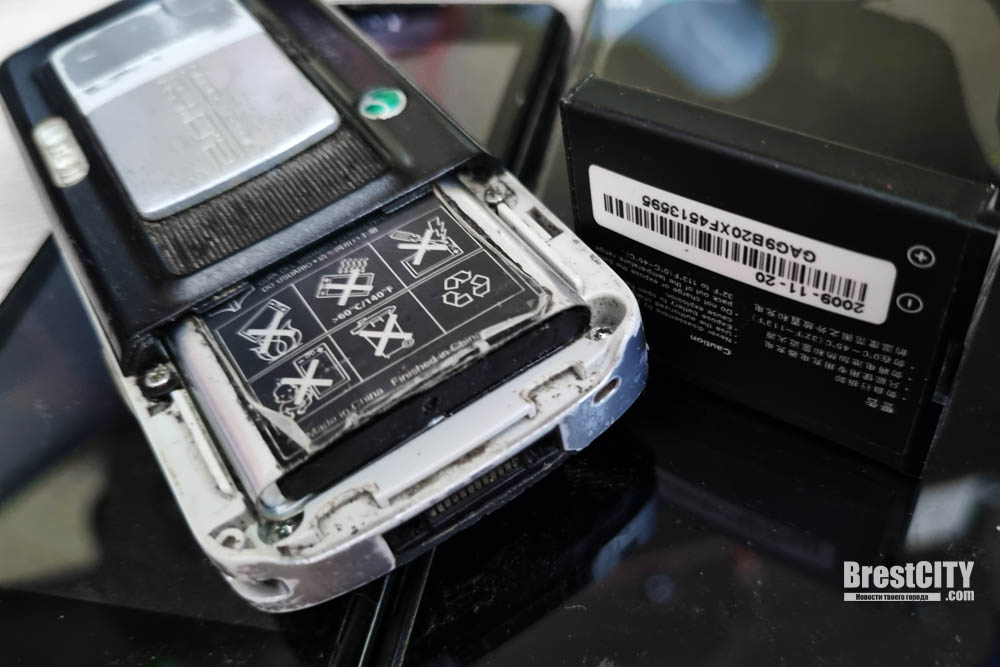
[445, 49]
[346, 331]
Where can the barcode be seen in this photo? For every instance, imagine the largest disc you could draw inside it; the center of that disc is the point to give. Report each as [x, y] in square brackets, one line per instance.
[741, 253]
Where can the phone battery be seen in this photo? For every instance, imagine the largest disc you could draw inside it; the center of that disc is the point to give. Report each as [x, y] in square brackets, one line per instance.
[404, 319]
[826, 286]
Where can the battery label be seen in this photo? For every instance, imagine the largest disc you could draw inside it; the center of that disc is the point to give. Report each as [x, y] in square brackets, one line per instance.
[359, 324]
[796, 267]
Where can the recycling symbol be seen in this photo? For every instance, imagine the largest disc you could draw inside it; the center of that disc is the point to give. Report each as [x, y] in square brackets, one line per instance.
[462, 287]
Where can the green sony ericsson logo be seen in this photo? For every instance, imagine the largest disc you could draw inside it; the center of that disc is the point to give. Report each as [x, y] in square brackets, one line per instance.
[382, 103]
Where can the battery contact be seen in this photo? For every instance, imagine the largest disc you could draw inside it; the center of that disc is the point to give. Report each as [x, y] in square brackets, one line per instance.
[496, 474]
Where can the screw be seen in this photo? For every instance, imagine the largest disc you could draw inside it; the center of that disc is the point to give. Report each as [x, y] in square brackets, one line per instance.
[494, 196]
[157, 377]
[601, 332]
[274, 531]
[284, 529]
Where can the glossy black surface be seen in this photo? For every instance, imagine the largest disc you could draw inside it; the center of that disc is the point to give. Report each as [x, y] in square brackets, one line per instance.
[55, 385]
[497, 69]
[848, 72]
[914, 81]
[692, 533]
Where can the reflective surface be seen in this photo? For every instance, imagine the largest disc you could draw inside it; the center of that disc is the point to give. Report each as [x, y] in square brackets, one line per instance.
[744, 566]
[914, 80]
[849, 72]
[202, 82]
[495, 68]
[693, 532]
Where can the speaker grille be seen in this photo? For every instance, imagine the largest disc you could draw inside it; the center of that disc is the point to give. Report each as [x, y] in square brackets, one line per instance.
[213, 230]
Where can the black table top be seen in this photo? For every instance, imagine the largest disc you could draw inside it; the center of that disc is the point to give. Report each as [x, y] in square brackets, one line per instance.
[692, 532]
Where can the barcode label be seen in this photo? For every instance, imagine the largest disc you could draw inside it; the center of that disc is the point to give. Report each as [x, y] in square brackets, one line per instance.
[772, 259]
[766, 262]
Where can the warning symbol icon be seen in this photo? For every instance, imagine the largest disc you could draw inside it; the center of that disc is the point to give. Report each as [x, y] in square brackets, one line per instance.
[430, 246]
[383, 332]
[271, 331]
[351, 280]
[318, 374]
